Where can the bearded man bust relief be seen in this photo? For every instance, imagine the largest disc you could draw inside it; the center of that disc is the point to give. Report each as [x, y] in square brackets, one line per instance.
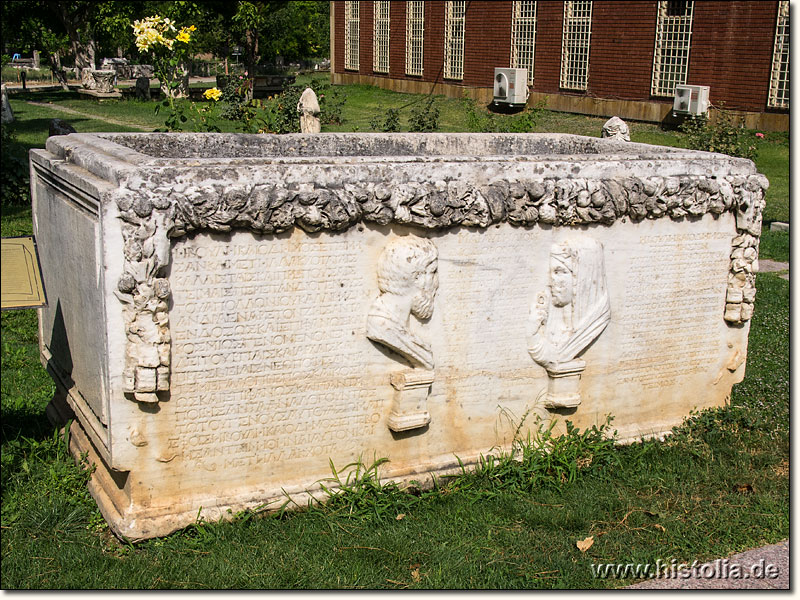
[408, 280]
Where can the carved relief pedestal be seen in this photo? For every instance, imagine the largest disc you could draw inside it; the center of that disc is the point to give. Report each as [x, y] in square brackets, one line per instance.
[104, 81]
[410, 408]
[563, 384]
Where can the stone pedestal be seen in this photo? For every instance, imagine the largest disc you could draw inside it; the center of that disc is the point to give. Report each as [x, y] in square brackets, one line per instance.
[410, 406]
[563, 385]
[104, 81]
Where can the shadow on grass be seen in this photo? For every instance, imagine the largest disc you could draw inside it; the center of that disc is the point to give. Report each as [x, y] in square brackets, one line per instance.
[16, 211]
[22, 423]
[45, 95]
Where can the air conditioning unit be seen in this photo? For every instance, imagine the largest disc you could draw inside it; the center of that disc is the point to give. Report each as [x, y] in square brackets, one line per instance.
[510, 86]
[691, 99]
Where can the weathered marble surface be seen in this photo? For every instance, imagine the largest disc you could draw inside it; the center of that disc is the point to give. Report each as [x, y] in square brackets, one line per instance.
[228, 312]
[617, 129]
[104, 81]
[308, 107]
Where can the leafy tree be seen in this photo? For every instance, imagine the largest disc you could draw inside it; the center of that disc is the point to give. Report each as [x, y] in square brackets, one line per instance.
[291, 30]
[78, 19]
[31, 25]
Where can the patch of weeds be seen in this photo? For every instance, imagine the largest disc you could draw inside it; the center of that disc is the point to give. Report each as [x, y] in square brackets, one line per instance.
[389, 124]
[356, 491]
[483, 121]
[543, 460]
[44, 491]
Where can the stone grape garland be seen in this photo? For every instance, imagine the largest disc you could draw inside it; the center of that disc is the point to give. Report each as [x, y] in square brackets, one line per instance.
[151, 216]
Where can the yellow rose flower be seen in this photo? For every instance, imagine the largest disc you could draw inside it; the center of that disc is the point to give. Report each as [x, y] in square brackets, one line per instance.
[212, 94]
[184, 35]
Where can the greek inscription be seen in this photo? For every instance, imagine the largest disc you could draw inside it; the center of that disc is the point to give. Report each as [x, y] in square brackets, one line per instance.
[665, 343]
[263, 365]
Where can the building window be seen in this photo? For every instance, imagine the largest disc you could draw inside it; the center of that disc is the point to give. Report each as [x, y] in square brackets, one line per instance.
[523, 36]
[380, 57]
[673, 40]
[575, 45]
[351, 29]
[454, 39]
[779, 79]
[415, 26]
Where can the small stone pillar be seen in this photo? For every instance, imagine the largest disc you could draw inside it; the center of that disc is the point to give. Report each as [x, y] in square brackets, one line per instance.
[410, 409]
[7, 114]
[308, 107]
[59, 127]
[616, 129]
[143, 88]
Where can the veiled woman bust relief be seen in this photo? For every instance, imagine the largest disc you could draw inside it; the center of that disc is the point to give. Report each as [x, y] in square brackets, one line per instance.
[568, 315]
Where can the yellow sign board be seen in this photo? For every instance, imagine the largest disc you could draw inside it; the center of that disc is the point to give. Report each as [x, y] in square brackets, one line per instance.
[22, 285]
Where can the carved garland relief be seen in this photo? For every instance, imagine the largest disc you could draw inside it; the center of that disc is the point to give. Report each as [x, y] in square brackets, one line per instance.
[151, 216]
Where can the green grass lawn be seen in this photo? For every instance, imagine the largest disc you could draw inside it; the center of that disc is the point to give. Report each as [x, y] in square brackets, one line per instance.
[717, 486]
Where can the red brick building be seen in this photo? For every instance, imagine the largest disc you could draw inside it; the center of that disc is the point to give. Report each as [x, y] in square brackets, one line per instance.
[601, 57]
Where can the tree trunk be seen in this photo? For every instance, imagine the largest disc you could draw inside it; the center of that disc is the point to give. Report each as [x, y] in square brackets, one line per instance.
[251, 58]
[84, 53]
[58, 71]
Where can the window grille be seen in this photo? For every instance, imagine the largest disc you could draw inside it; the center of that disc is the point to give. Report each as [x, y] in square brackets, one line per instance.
[523, 36]
[380, 57]
[575, 45]
[454, 39]
[673, 41]
[415, 27]
[351, 30]
[779, 79]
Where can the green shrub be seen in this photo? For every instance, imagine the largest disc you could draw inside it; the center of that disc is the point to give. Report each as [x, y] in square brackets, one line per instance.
[278, 114]
[14, 164]
[424, 117]
[487, 122]
[234, 90]
[724, 134]
[389, 124]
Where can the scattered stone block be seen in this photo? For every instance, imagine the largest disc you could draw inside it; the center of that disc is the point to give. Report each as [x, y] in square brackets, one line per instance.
[60, 127]
[778, 226]
[616, 129]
